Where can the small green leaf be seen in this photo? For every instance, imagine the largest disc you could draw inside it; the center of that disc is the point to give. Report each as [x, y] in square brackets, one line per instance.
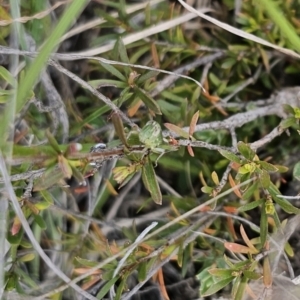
[24, 278]
[228, 63]
[86, 262]
[214, 288]
[11, 282]
[296, 171]
[77, 175]
[288, 122]
[281, 169]
[107, 287]
[214, 79]
[283, 203]
[251, 205]
[247, 168]
[40, 221]
[243, 170]
[286, 205]
[107, 82]
[250, 191]
[42, 205]
[215, 178]
[111, 19]
[228, 262]
[207, 189]
[289, 250]
[16, 238]
[270, 209]
[122, 51]
[264, 177]
[252, 275]
[125, 95]
[109, 269]
[146, 76]
[288, 109]
[180, 255]
[273, 189]
[240, 291]
[5, 95]
[276, 220]
[297, 112]
[150, 181]
[113, 71]
[47, 197]
[32, 152]
[148, 100]
[142, 271]
[267, 166]
[121, 286]
[8, 77]
[27, 257]
[224, 273]
[53, 142]
[245, 150]
[230, 156]
[25, 244]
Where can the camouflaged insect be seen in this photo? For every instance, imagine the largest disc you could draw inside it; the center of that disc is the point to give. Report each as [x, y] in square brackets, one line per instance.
[151, 135]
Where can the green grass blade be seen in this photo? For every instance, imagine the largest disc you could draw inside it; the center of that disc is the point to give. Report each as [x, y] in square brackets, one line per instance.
[39, 62]
[278, 18]
[150, 181]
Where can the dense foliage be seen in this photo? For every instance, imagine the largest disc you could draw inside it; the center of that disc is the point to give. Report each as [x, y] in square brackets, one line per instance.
[148, 149]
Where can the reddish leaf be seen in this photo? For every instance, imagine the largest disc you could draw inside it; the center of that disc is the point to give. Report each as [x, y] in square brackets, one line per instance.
[162, 286]
[80, 271]
[267, 273]
[132, 110]
[87, 285]
[237, 248]
[80, 189]
[246, 239]
[230, 209]
[231, 227]
[190, 150]
[179, 131]
[16, 226]
[205, 208]
[233, 185]
[172, 141]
